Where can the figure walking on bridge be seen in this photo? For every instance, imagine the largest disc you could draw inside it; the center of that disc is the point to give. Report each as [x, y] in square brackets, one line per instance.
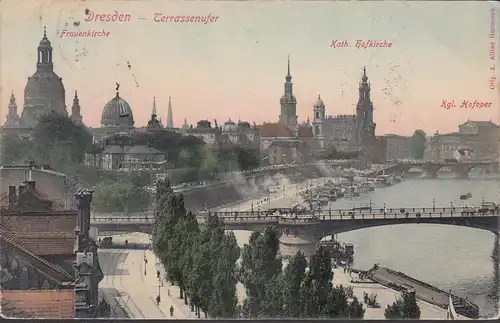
[171, 310]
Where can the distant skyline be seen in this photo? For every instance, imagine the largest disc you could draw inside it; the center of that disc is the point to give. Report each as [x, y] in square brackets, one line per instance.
[235, 66]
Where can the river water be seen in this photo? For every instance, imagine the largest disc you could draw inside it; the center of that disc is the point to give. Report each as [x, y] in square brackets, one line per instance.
[448, 257]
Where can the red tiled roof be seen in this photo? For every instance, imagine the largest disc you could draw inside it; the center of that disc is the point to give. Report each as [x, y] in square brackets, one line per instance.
[8, 236]
[44, 233]
[305, 132]
[39, 303]
[274, 130]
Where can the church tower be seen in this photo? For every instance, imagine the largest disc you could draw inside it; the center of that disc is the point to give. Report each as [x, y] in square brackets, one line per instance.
[170, 118]
[12, 116]
[288, 103]
[153, 122]
[367, 144]
[319, 121]
[364, 112]
[76, 115]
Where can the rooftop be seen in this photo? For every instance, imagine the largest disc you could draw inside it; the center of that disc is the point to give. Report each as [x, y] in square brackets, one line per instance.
[50, 304]
[43, 233]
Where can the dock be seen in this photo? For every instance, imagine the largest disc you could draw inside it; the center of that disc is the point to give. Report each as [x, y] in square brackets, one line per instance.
[425, 292]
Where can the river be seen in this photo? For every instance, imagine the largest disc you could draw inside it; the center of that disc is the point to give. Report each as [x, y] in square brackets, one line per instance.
[449, 257]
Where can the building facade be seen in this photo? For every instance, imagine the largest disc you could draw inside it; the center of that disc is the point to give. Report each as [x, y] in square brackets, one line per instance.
[397, 147]
[474, 141]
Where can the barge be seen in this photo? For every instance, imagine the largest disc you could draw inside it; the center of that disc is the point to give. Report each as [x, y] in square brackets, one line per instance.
[399, 281]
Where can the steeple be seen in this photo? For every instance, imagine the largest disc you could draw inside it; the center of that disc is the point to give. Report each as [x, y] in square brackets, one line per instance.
[288, 75]
[170, 120]
[153, 113]
[12, 116]
[76, 110]
[364, 88]
[288, 103]
[44, 53]
[288, 78]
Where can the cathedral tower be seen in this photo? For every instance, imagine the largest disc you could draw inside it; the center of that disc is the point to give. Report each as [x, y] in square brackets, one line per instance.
[364, 111]
[12, 116]
[76, 115]
[288, 103]
[170, 118]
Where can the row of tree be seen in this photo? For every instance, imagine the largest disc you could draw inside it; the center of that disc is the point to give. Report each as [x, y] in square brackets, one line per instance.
[191, 153]
[202, 262]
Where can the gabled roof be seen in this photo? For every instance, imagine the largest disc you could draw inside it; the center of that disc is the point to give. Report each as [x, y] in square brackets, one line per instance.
[481, 123]
[43, 233]
[305, 132]
[38, 303]
[275, 130]
[133, 150]
[7, 237]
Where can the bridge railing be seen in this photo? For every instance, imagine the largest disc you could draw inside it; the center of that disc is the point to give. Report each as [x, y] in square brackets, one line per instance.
[329, 215]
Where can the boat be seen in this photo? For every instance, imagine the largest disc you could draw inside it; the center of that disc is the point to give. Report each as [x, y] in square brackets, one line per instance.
[385, 180]
[465, 196]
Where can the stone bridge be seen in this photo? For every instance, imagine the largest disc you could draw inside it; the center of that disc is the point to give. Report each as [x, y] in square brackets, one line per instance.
[461, 169]
[245, 185]
[303, 232]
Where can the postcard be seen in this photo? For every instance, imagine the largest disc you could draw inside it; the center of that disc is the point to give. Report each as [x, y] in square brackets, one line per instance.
[249, 159]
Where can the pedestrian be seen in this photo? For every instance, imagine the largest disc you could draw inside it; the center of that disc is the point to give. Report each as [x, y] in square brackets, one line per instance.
[158, 300]
[158, 274]
[171, 310]
[168, 292]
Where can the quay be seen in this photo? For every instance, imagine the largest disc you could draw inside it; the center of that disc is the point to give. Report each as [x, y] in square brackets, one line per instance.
[425, 292]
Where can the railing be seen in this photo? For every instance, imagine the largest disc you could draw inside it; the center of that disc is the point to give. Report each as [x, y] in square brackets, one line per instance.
[330, 215]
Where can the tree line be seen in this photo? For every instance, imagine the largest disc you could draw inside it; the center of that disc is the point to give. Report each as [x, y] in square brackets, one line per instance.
[202, 261]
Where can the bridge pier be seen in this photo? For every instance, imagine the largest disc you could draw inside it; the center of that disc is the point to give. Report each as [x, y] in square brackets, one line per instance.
[432, 172]
[298, 235]
[496, 248]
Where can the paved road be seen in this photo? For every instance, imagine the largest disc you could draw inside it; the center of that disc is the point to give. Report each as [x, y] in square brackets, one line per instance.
[128, 289]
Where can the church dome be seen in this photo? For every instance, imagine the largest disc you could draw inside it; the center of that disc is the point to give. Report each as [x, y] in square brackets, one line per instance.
[44, 92]
[319, 102]
[229, 126]
[117, 113]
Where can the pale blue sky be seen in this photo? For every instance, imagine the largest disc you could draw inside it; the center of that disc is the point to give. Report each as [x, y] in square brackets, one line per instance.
[235, 68]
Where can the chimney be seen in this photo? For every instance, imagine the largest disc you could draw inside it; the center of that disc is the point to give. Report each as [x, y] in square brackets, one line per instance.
[84, 197]
[12, 195]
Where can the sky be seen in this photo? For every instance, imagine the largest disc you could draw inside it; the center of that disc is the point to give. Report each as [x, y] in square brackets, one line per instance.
[234, 68]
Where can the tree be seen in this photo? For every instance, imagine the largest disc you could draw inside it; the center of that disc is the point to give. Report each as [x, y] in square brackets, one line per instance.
[224, 301]
[317, 287]
[55, 141]
[405, 307]
[259, 266]
[57, 133]
[121, 197]
[293, 276]
[418, 142]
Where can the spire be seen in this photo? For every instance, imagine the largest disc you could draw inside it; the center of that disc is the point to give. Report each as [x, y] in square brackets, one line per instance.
[154, 107]
[75, 99]
[12, 98]
[117, 89]
[170, 121]
[44, 32]
[364, 78]
[288, 75]
[76, 110]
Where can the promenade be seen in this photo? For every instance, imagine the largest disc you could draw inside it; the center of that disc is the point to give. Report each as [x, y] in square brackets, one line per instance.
[130, 285]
